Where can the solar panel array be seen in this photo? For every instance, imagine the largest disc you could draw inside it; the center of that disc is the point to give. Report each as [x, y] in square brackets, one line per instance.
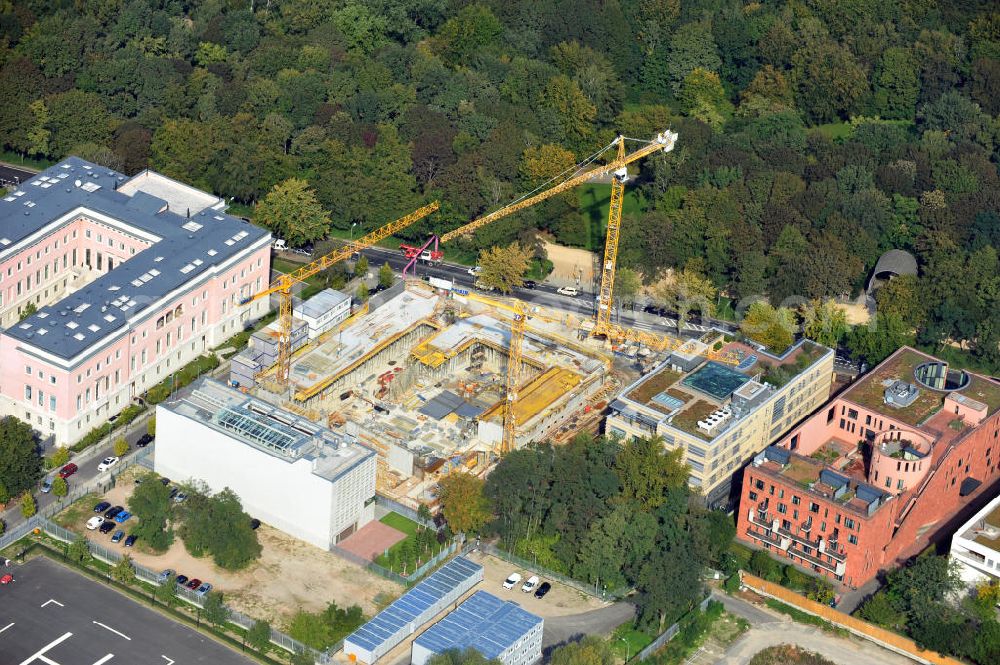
[413, 609]
[484, 622]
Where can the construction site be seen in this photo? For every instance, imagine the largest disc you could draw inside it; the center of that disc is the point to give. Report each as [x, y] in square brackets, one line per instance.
[420, 376]
[436, 378]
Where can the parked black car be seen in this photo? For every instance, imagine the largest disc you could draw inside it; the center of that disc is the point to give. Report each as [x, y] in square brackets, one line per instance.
[107, 527]
[542, 590]
[529, 284]
[110, 513]
[144, 441]
[101, 507]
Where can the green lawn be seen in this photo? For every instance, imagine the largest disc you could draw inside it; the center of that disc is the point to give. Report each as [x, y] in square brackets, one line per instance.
[408, 554]
[400, 523]
[595, 200]
[636, 639]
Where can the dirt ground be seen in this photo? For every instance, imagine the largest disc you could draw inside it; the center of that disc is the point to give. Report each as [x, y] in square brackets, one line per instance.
[289, 575]
[855, 313]
[560, 601]
[570, 263]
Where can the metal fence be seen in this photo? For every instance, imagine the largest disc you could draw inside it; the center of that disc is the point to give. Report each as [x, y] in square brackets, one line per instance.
[384, 505]
[100, 484]
[393, 576]
[601, 593]
[666, 635]
[112, 556]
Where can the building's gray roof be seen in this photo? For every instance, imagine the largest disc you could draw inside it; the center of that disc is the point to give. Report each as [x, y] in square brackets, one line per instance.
[268, 428]
[484, 622]
[896, 262]
[134, 285]
[321, 303]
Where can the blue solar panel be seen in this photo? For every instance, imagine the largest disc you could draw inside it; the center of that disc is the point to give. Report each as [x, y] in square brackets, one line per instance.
[415, 602]
[484, 622]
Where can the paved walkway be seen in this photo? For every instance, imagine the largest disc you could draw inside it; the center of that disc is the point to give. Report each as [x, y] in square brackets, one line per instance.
[843, 651]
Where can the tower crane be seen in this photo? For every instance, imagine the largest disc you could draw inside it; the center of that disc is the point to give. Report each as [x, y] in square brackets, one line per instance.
[518, 327]
[618, 168]
[284, 283]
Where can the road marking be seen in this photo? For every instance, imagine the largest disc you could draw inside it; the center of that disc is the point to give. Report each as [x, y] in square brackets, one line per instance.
[105, 659]
[113, 630]
[52, 600]
[6, 627]
[169, 662]
[40, 654]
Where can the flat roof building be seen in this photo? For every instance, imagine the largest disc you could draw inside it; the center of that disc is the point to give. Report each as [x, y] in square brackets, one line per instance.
[870, 479]
[405, 615]
[498, 629]
[975, 547]
[131, 278]
[289, 472]
[722, 416]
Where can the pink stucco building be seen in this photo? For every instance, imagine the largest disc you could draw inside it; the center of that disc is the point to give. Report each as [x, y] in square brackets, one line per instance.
[131, 277]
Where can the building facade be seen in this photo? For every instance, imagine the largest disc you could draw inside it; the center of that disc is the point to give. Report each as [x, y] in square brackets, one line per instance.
[975, 547]
[879, 472]
[131, 279]
[498, 629]
[719, 416]
[298, 477]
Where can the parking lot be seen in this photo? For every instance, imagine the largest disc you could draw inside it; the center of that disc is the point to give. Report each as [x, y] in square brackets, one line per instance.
[55, 616]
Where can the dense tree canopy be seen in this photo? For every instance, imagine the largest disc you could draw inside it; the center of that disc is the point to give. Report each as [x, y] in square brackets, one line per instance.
[20, 458]
[612, 515]
[814, 135]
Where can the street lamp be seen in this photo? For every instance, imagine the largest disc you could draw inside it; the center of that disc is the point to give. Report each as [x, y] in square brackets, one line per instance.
[353, 224]
[626, 647]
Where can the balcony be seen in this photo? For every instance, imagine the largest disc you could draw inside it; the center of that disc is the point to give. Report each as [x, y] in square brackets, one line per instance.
[779, 543]
[836, 569]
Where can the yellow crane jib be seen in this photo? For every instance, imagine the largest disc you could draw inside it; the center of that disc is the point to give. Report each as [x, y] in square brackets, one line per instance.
[284, 283]
[663, 141]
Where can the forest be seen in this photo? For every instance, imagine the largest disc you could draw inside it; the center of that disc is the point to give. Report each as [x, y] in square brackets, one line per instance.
[814, 134]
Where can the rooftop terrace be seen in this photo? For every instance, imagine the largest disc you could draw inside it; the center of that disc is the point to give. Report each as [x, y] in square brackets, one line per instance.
[844, 482]
[869, 391]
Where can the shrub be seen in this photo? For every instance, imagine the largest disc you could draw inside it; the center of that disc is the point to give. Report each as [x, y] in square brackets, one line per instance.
[60, 487]
[28, 505]
[121, 446]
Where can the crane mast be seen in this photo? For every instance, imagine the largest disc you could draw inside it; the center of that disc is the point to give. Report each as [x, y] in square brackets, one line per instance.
[284, 283]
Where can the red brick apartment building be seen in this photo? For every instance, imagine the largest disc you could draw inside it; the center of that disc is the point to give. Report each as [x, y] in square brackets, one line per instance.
[871, 478]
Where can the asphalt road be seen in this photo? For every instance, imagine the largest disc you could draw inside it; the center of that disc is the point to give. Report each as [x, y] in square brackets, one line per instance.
[88, 470]
[14, 175]
[55, 616]
[543, 295]
[560, 630]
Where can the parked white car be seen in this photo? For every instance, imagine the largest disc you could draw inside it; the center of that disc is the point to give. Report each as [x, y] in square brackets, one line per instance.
[568, 290]
[475, 271]
[512, 581]
[95, 522]
[530, 585]
[107, 463]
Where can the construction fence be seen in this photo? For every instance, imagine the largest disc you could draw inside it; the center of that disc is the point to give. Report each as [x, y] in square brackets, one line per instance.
[881, 636]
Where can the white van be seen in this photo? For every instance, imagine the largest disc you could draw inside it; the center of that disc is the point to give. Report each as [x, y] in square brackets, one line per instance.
[530, 585]
[512, 581]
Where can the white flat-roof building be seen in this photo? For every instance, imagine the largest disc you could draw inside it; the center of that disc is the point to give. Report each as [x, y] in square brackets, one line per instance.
[323, 311]
[289, 472]
[975, 547]
[498, 629]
